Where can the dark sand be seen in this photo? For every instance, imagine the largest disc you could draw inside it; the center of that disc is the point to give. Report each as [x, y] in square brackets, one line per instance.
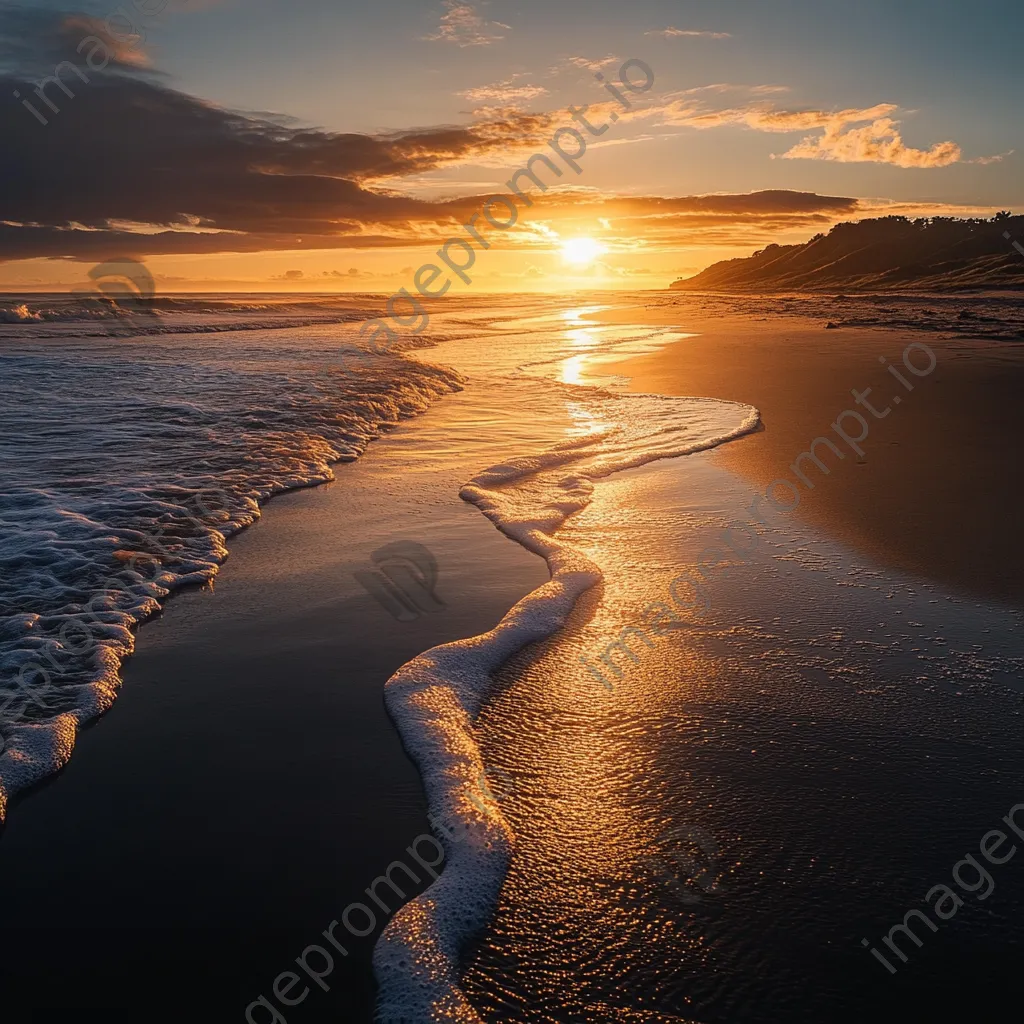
[938, 491]
[248, 784]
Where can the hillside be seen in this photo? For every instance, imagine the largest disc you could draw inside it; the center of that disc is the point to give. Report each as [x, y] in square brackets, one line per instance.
[938, 254]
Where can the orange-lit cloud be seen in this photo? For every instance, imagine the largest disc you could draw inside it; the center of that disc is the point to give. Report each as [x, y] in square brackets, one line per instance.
[463, 26]
[197, 179]
[506, 92]
[997, 159]
[764, 117]
[589, 64]
[121, 43]
[879, 142]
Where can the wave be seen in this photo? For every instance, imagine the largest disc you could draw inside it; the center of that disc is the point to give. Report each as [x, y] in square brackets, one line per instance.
[20, 314]
[87, 315]
[122, 479]
[435, 699]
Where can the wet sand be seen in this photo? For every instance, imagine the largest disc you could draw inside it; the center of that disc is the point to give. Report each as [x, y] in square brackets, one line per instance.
[248, 784]
[708, 834]
[937, 491]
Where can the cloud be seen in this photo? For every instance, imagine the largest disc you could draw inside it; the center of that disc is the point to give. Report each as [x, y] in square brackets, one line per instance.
[879, 142]
[198, 178]
[192, 178]
[34, 40]
[152, 170]
[121, 40]
[764, 117]
[997, 159]
[463, 26]
[676, 33]
[506, 92]
[588, 64]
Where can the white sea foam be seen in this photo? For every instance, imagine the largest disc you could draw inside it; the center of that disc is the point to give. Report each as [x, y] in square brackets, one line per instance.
[435, 699]
[125, 463]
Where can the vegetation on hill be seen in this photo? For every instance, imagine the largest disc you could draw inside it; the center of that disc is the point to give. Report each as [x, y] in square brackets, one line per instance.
[930, 254]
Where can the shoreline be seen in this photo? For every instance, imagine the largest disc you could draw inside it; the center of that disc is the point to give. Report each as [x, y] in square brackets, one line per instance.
[274, 622]
[943, 447]
[183, 782]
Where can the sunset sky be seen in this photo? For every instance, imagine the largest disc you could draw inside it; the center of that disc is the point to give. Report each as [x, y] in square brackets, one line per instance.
[317, 145]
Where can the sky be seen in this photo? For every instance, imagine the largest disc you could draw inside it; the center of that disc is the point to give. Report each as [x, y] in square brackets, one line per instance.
[284, 145]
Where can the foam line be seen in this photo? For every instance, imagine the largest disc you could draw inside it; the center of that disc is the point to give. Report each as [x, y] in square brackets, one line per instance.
[434, 700]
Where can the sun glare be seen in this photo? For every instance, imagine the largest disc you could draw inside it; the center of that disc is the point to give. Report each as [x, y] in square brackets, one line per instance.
[581, 251]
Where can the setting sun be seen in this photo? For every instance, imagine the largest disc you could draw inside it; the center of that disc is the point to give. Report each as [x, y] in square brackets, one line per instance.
[581, 251]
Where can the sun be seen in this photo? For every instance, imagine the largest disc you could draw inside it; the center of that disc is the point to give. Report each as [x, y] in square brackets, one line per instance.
[581, 251]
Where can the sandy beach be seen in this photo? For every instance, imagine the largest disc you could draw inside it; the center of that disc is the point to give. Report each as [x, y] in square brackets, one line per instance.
[935, 492]
[248, 786]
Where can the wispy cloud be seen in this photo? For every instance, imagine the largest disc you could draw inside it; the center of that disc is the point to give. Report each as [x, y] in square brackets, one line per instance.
[506, 92]
[34, 39]
[675, 33]
[123, 49]
[720, 87]
[764, 117]
[854, 135]
[462, 25]
[997, 159]
[589, 64]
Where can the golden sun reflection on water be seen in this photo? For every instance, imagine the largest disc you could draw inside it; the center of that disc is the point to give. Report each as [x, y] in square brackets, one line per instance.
[578, 314]
[585, 421]
[588, 338]
[621, 856]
